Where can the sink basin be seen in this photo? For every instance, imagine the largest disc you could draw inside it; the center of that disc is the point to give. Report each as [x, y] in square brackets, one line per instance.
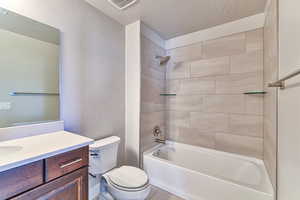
[8, 150]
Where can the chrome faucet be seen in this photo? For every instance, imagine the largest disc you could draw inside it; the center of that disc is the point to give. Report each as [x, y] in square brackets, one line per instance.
[161, 141]
[157, 134]
[156, 131]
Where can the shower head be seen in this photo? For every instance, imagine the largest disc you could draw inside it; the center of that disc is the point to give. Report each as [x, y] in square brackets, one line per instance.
[163, 59]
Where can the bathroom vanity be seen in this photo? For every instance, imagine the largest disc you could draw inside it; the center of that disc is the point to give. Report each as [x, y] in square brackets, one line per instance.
[51, 166]
[48, 166]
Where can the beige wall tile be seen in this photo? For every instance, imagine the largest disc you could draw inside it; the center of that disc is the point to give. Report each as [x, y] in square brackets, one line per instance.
[217, 66]
[254, 104]
[185, 103]
[147, 142]
[172, 132]
[239, 83]
[153, 73]
[270, 107]
[255, 39]
[149, 51]
[210, 109]
[150, 120]
[152, 82]
[226, 46]
[209, 122]
[224, 104]
[152, 85]
[188, 53]
[270, 140]
[270, 160]
[151, 90]
[197, 86]
[174, 121]
[270, 99]
[178, 70]
[152, 107]
[246, 125]
[178, 119]
[249, 146]
[195, 137]
[172, 86]
[149, 62]
[249, 62]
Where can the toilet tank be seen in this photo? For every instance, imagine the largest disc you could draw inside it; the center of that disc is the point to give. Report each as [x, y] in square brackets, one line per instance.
[103, 155]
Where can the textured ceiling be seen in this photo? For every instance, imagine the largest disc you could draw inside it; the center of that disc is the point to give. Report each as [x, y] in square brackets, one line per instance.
[171, 18]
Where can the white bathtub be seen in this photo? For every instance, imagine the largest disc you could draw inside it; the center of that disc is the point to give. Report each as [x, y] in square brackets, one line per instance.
[195, 173]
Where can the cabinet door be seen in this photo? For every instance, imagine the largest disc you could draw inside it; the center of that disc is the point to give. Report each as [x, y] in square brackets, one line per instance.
[20, 179]
[65, 163]
[73, 186]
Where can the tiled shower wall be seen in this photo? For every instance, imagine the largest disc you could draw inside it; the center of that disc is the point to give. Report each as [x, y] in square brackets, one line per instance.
[152, 85]
[211, 109]
[270, 100]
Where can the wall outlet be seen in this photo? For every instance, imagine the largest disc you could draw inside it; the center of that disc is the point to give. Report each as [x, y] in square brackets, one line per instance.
[5, 105]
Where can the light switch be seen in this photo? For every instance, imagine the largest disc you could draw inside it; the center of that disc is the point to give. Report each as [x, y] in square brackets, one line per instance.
[5, 105]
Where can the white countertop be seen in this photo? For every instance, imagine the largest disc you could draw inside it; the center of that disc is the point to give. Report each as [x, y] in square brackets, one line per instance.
[31, 149]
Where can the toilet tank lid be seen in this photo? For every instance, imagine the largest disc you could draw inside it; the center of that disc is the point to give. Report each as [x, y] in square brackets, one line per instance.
[104, 142]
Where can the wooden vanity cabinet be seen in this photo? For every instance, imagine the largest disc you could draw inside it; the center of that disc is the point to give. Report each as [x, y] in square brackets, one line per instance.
[61, 177]
[59, 165]
[20, 179]
[72, 186]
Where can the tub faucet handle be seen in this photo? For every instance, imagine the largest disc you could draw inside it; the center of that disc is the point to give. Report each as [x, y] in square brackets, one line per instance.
[156, 131]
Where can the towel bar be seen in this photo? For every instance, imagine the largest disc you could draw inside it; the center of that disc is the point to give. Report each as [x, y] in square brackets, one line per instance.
[281, 82]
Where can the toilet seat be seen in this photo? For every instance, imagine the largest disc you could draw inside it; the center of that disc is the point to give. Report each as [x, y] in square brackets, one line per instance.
[128, 178]
[127, 183]
[128, 189]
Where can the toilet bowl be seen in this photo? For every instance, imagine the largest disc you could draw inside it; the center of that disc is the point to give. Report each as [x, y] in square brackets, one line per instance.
[127, 183]
[123, 183]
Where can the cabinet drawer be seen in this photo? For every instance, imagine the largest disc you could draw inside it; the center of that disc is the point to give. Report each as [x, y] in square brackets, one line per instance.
[73, 186]
[20, 179]
[65, 163]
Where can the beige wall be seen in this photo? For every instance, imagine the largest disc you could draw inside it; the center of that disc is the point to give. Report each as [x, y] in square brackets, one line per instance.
[288, 101]
[270, 100]
[210, 109]
[92, 62]
[133, 93]
[28, 65]
[152, 85]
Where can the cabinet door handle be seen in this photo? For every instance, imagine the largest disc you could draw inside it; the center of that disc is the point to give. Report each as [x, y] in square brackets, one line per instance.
[70, 163]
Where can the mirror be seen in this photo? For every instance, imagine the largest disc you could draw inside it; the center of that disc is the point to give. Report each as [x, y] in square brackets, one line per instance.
[29, 71]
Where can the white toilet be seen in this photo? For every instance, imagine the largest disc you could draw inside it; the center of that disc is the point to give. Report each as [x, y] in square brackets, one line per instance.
[124, 183]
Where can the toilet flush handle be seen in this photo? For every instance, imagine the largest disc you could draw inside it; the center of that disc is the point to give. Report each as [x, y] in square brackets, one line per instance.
[94, 153]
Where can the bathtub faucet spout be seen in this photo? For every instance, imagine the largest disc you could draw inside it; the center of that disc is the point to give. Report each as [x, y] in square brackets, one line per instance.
[161, 141]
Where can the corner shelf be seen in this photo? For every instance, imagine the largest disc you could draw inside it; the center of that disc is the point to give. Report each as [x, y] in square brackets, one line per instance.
[168, 95]
[255, 92]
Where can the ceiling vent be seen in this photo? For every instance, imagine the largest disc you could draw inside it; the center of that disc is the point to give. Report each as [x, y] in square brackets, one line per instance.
[122, 4]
